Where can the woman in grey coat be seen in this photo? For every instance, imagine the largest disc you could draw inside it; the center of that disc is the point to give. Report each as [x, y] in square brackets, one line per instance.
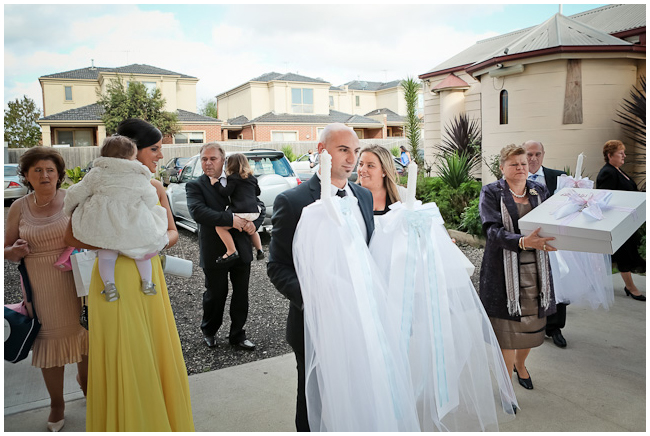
[516, 288]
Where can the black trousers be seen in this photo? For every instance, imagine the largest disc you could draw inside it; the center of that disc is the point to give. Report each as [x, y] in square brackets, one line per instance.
[556, 321]
[302, 422]
[214, 300]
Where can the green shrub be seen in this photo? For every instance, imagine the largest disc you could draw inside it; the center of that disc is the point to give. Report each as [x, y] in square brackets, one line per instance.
[454, 169]
[75, 174]
[470, 219]
[288, 152]
[395, 151]
[493, 166]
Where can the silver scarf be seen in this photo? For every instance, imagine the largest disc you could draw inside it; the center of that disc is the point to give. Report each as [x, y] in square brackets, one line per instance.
[511, 269]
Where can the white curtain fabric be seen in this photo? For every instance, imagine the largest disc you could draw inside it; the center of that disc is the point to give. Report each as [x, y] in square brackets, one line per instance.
[459, 379]
[357, 378]
[582, 279]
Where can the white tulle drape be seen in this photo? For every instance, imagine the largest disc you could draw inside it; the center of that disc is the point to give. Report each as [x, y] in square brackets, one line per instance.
[357, 377]
[396, 338]
[582, 279]
[459, 379]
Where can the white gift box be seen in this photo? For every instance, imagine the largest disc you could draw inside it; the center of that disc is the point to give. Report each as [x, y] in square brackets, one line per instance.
[623, 212]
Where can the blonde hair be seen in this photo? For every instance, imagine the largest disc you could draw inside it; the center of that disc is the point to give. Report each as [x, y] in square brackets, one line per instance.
[118, 146]
[388, 167]
[238, 163]
[509, 151]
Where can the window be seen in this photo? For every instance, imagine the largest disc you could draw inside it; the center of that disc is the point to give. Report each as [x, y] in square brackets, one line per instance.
[319, 131]
[188, 138]
[302, 100]
[359, 133]
[503, 107]
[284, 136]
[331, 101]
[75, 138]
[420, 105]
[357, 100]
[68, 93]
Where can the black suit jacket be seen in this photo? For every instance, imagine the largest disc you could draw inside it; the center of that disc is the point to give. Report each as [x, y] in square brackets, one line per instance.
[610, 178]
[550, 176]
[208, 209]
[287, 210]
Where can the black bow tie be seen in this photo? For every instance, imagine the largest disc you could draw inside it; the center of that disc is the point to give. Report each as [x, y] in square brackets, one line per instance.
[341, 193]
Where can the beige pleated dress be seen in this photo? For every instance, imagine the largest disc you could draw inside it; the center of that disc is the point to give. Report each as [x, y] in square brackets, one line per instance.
[529, 332]
[61, 339]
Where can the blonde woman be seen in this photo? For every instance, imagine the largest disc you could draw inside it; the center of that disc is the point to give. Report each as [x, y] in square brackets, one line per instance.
[376, 172]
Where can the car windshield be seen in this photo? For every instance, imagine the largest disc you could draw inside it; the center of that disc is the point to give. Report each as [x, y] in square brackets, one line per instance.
[182, 161]
[11, 170]
[262, 165]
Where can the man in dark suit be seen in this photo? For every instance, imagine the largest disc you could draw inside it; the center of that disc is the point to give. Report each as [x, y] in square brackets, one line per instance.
[208, 209]
[342, 143]
[546, 176]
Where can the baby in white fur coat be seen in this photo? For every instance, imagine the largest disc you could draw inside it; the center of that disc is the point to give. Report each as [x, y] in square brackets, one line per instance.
[115, 207]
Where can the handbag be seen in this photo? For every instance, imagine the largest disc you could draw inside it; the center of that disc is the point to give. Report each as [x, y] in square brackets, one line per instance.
[82, 270]
[176, 266]
[20, 329]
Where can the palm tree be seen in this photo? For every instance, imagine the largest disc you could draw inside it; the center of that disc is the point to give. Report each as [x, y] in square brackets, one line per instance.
[632, 113]
[411, 89]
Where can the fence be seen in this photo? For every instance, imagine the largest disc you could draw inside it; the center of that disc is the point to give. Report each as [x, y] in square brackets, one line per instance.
[82, 156]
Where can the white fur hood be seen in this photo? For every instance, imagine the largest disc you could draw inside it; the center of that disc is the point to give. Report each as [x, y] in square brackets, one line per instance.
[117, 165]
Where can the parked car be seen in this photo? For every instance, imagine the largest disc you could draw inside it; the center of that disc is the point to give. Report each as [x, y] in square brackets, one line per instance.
[13, 187]
[303, 166]
[306, 175]
[271, 167]
[173, 168]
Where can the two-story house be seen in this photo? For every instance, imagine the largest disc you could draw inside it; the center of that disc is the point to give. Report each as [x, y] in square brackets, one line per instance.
[72, 116]
[291, 107]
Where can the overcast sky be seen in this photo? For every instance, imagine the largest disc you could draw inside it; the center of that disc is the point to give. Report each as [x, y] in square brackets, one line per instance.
[227, 45]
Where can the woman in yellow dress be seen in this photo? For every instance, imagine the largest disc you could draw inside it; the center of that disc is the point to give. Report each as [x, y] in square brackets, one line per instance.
[137, 379]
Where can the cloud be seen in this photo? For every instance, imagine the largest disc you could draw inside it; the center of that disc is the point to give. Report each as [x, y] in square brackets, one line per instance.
[337, 43]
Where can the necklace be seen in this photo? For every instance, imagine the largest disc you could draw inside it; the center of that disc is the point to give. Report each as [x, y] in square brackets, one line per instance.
[43, 205]
[517, 195]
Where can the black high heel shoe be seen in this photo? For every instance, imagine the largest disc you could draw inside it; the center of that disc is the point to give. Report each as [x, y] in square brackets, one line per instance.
[640, 297]
[525, 382]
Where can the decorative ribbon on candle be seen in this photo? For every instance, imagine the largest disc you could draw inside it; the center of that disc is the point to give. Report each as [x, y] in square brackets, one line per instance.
[565, 181]
[420, 244]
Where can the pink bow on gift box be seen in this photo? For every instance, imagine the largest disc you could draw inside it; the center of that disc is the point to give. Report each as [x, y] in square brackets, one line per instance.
[591, 205]
[565, 181]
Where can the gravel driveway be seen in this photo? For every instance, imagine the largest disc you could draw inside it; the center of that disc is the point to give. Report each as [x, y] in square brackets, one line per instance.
[266, 319]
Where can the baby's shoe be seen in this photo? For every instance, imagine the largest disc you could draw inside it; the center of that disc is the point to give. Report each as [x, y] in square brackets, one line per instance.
[148, 287]
[110, 292]
[260, 255]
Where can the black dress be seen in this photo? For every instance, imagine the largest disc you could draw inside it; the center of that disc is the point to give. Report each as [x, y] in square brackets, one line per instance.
[627, 257]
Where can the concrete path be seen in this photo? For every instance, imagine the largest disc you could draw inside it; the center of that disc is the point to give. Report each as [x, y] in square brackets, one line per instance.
[597, 383]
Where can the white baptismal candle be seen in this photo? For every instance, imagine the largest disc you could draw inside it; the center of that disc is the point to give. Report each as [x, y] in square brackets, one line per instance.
[325, 174]
[410, 185]
[581, 157]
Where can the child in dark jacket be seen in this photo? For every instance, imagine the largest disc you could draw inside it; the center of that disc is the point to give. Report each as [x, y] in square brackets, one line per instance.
[243, 190]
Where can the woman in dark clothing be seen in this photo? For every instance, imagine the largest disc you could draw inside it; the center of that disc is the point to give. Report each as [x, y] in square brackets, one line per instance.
[611, 176]
[516, 287]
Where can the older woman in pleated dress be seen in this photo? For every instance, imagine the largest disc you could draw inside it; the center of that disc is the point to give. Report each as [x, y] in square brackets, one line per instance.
[35, 231]
[516, 286]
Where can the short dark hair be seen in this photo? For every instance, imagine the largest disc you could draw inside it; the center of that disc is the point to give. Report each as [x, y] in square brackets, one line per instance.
[144, 134]
[611, 147]
[33, 155]
[118, 146]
